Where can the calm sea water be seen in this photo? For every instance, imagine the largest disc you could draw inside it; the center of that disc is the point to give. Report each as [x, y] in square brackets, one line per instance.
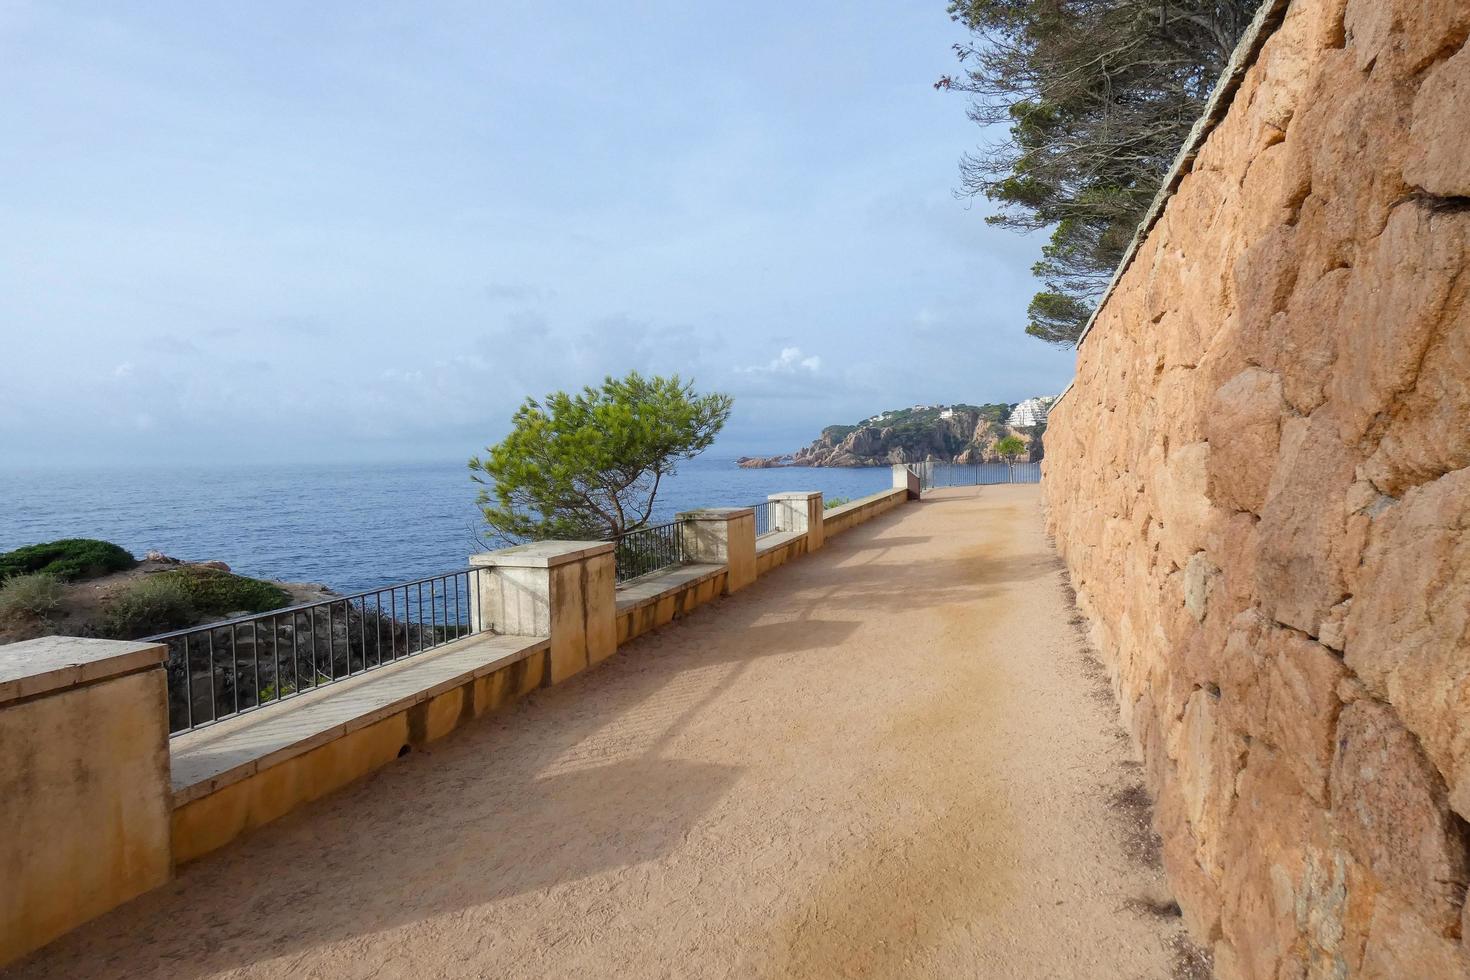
[352, 527]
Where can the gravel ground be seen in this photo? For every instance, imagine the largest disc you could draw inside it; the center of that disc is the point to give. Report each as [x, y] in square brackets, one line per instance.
[888, 759]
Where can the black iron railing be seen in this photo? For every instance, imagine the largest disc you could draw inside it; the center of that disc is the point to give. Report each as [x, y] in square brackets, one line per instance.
[648, 550]
[223, 669]
[763, 514]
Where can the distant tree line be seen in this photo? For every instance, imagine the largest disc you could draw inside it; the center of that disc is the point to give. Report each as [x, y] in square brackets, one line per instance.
[1098, 95]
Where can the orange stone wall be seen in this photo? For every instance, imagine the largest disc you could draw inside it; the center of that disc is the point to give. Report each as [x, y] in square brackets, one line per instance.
[1259, 484]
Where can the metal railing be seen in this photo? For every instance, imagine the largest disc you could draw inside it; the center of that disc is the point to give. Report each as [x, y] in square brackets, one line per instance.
[647, 550]
[933, 476]
[224, 669]
[764, 511]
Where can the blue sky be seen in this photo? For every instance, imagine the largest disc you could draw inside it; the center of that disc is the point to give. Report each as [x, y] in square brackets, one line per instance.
[367, 231]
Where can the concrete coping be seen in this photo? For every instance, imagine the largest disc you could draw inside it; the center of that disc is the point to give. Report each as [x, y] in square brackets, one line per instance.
[541, 554]
[795, 495]
[211, 758]
[715, 513]
[55, 663]
[655, 585]
[860, 503]
[772, 540]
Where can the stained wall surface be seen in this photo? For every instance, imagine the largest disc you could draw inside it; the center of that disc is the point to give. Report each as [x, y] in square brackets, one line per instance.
[84, 803]
[1259, 484]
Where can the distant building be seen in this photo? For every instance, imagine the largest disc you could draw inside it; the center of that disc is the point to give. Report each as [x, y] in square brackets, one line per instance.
[948, 413]
[1030, 412]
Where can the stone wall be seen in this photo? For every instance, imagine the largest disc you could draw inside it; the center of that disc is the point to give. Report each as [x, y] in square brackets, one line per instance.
[1259, 484]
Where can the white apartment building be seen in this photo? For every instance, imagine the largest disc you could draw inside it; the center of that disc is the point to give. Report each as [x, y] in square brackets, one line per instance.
[1032, 411]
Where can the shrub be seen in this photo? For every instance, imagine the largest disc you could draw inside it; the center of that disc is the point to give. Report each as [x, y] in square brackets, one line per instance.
[155, 604]
[69, 560]
[213, 592]
[31, 595]
[179, 597]
[837, 502]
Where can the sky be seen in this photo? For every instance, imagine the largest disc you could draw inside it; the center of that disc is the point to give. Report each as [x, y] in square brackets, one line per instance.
[367, 231]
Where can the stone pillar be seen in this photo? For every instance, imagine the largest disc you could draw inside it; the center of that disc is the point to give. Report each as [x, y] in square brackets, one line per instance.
[906, 479]
[560, 589]
[722, 536]
[799, 510]
[85, 799]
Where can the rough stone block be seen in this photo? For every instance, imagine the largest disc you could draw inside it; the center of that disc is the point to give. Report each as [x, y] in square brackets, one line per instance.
[1389, 806]
[1408, 629]
[1437, 162]
[1244, 426]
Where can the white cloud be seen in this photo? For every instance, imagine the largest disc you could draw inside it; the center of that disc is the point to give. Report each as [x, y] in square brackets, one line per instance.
[789, 361]
[123, 370]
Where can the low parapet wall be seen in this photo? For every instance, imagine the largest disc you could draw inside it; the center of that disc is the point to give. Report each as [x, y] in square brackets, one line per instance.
[1259, 483]
[99, 805]
[245, 772]
[775, 550]
[661, 598]
[856, 512]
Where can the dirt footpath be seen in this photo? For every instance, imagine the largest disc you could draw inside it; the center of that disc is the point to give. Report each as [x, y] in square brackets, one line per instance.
[889, 759]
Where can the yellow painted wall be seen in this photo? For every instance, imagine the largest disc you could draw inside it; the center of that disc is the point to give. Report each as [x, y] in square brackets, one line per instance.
[635, 622]
[209, 822]
[84, 806]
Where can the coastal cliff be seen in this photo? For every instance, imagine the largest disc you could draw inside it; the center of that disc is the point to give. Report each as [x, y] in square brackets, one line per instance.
[940, 433]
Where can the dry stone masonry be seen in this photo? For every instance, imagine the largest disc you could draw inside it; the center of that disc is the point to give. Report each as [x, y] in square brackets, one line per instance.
[1259, 483]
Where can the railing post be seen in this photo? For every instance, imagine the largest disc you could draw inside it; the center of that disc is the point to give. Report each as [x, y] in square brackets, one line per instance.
[905, 478]
[799, 510]
[722, 536]
[85, 799]
[561, 589]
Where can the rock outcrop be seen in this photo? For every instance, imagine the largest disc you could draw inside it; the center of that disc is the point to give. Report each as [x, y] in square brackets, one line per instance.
[1259, 484]
[961, 434]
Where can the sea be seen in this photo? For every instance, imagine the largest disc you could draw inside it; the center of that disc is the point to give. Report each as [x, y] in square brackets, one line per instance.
[352, 527]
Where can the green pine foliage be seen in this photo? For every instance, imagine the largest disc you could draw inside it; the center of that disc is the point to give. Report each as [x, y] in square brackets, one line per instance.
[589, 465]
[1097, 96]
[1010, 447]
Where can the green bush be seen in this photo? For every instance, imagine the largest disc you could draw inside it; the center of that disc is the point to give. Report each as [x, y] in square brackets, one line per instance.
[31, 595]
[182, 596]
[69, 560]
[837, 502]
[213, 592]
[155, 604]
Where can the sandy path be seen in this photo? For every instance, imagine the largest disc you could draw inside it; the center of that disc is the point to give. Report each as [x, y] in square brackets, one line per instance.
[884, 760]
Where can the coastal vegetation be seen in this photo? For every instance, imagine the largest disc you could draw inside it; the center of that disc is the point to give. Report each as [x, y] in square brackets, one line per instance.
[68, 560]
[29, 596]
[150, 605]
[185, 595]
[87, 587]
[589, 465]
[1097, 98]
